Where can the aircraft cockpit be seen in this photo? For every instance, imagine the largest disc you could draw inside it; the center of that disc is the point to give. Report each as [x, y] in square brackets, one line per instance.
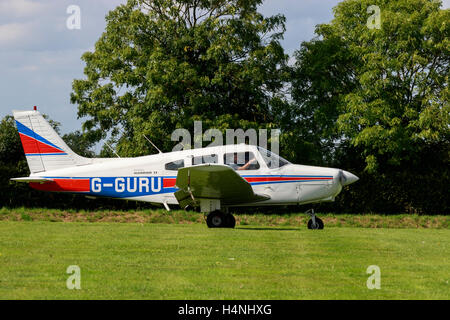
[248, 158]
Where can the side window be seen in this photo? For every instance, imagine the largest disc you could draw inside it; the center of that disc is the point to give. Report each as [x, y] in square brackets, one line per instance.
[174, 165]
[271, 159]
[211, 158]
[241, 160]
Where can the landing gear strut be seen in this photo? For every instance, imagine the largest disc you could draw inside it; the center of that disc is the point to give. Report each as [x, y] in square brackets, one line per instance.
[314, 222]
[218, 219]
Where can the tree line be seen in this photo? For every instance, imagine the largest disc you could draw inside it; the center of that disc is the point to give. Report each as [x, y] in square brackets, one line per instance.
[373, 101]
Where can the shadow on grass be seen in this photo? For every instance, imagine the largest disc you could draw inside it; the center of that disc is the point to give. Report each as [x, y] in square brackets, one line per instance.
[267, 228]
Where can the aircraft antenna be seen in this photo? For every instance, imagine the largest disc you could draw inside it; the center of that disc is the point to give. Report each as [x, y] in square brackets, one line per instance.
[152, 143]
[106, 143]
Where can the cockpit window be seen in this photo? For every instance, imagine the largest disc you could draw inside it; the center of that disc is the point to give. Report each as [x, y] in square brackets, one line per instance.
[271, 159]
[175, 165]
[210, 158]
[241, 161]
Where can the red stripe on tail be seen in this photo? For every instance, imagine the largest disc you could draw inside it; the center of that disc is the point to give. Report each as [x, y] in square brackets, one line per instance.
[33, 146]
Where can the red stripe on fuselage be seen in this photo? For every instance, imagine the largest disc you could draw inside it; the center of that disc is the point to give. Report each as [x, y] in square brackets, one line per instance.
[169, 182]
[272, 179]
[63, 185]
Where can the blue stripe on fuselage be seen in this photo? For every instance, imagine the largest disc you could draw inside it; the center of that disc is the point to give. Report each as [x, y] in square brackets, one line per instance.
[136, 186]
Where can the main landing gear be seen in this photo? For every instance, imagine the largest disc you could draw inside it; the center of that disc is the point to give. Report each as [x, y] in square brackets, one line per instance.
[314, 222]
[219, 219]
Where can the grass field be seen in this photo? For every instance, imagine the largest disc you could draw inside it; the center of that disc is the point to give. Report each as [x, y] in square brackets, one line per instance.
[190, 261]
[253, 219]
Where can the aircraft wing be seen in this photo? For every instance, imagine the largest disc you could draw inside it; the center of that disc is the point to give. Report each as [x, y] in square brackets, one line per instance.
[32, 179]
[213, 181]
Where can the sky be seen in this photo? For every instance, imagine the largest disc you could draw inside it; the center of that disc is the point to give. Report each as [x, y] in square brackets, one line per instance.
[40, 56]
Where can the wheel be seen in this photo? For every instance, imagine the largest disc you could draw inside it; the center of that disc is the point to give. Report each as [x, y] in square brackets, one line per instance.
[319, 224]
[216, 219]
[230, 221]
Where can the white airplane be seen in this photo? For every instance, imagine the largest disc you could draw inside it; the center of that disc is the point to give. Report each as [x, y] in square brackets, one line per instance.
[212, 178]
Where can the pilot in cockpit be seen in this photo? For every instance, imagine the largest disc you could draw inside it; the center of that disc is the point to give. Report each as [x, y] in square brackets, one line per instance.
[237, 166]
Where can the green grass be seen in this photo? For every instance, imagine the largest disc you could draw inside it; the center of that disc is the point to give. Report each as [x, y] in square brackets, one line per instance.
[190, 261]
[254, 219]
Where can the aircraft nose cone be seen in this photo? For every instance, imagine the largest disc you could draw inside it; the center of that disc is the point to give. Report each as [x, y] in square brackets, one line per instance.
[348, 178]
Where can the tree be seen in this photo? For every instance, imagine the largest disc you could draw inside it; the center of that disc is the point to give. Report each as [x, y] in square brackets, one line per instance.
[12, 163]
[161, 64]
[400, 104]
[323, 73]
[377, 99]
[79, 144]
[383, 90]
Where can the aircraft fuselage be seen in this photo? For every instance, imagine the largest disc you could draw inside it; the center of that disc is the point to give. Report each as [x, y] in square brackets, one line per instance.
[149, 179]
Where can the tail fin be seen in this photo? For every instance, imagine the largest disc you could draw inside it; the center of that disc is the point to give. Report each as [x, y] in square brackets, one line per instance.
[43, 148]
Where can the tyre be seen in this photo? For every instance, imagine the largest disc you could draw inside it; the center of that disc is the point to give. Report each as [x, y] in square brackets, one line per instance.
[216, 219]
[319, 224]
[230, 220]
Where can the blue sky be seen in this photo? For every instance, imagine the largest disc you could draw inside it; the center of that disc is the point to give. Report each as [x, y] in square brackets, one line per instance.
[40, 56]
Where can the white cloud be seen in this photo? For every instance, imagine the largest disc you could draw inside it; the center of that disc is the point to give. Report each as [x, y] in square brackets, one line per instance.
[40, 57]
[21, 8]
[28, 68]
[13, 33]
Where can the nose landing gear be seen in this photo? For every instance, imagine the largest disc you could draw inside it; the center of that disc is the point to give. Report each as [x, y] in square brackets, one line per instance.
[314, 222]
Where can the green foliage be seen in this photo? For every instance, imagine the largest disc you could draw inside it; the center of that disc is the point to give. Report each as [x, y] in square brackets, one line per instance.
[321, 76]
[400, 104]
[10, 146]
[375, 102]
[387, 88]
[12, 163]
[79, 143]
[162, 63]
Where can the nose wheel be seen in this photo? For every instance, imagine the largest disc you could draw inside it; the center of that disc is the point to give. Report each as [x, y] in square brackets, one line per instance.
[314, 222]
[218, 219]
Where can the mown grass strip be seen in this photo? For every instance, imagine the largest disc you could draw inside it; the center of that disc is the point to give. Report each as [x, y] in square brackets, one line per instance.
[190, 261]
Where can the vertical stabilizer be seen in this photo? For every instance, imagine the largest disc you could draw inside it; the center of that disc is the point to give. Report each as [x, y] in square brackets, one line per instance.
[43, 147]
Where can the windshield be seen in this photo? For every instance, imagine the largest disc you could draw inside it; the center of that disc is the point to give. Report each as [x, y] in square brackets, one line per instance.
[271, 159]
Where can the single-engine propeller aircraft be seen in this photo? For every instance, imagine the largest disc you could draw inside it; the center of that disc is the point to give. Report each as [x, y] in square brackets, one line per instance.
[213, 178]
